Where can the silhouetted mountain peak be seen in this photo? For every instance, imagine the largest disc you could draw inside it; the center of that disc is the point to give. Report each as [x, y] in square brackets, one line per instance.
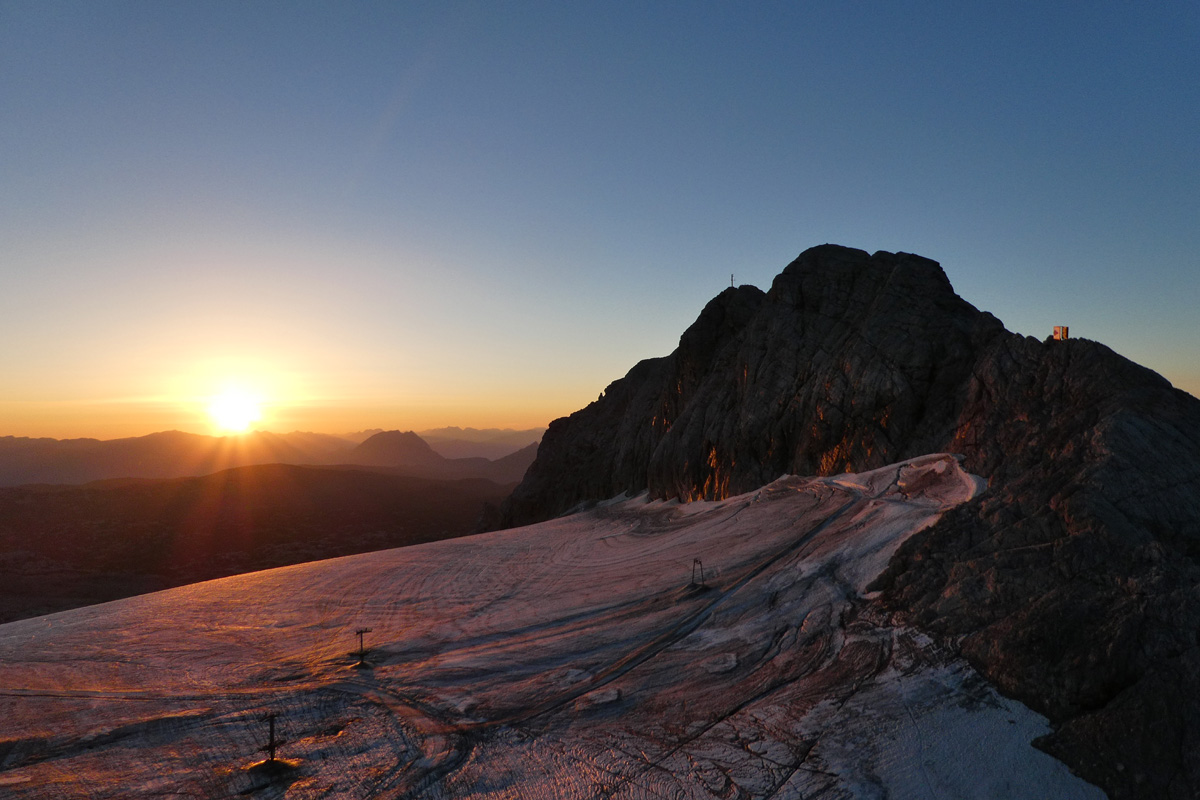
[394, 449]
[1090, 530]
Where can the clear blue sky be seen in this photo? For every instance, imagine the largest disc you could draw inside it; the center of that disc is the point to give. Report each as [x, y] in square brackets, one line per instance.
[416, 214]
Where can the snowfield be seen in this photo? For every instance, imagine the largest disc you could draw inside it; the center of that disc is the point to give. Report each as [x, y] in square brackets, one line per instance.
[570, 659]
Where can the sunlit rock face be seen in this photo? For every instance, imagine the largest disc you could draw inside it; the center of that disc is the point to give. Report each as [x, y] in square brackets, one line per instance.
[643, 649]
[1069, 585]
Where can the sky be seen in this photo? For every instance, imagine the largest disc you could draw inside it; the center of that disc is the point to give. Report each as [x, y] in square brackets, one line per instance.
[409, 215]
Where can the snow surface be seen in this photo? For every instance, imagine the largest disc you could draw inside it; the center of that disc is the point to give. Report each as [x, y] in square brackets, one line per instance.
[570, 659]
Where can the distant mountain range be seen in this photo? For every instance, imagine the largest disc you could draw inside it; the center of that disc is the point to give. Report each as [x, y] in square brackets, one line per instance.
[455, 442]
[490, 443]
[84, 521]
[173, 454]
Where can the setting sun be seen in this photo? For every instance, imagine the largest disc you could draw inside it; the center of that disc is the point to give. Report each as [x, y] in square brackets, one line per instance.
[234, 410]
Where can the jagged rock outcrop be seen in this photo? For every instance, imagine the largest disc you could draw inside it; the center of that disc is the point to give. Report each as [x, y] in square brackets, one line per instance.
[849, 362]
[1072, 584]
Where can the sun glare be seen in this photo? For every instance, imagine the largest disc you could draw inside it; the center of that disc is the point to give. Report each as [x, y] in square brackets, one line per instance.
[234, 411]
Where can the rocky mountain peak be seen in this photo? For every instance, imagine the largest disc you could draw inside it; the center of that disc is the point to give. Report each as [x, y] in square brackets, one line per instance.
[830, 277]
[1070, 584]
[851, 361]
[722, 319]
[394, 448]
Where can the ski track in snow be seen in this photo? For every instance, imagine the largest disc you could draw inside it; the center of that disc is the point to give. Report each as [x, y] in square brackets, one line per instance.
[570, 659]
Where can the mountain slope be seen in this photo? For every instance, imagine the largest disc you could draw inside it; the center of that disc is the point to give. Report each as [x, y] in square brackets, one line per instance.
[493, 443]
[406, 453]
[169, 454]
[584, 657]
[67, 546]
[394, 449]
[174, 454]
[1070, 584]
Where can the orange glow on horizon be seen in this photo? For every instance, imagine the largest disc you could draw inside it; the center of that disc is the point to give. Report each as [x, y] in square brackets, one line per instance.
[119, 420]
[240, 401]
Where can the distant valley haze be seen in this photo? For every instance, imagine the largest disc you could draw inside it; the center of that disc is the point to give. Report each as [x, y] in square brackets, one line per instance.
[171, 454]
[84, 521]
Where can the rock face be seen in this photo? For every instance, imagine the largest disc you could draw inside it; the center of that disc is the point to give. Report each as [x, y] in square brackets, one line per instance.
[1071, 584]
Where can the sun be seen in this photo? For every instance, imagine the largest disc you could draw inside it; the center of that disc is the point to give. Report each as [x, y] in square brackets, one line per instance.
[234, 411]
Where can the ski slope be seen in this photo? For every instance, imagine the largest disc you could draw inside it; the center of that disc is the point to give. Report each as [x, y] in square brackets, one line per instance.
[571, 659]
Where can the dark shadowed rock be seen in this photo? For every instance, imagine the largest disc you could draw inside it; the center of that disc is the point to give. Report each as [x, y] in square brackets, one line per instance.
[849, 362]
[1072, 584]
[609, 446]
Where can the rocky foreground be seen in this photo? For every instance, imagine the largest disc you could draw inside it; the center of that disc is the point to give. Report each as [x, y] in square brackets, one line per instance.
[1072, 584]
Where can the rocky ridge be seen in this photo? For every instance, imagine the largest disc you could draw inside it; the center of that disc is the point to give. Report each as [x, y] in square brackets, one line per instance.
[1071, 584]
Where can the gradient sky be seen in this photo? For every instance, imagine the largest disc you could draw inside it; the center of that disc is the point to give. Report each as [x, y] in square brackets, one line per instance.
[406, 215]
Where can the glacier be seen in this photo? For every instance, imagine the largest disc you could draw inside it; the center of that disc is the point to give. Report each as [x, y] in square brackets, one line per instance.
[583, 657]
